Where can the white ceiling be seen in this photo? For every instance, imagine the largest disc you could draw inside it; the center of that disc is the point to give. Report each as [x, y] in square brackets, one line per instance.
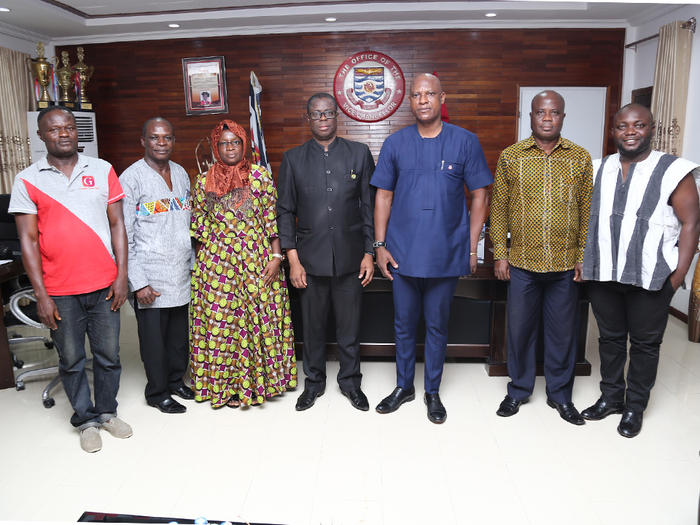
[89, 21]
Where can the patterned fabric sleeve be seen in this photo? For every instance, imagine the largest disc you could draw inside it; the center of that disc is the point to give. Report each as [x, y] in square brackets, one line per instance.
[268, 203]
[584, 200]
[498, 227]
[200, 223]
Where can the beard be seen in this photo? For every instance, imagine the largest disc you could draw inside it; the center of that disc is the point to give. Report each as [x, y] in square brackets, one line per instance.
[643, 146]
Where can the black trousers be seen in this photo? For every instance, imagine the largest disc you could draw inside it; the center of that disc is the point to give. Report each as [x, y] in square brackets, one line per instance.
[622, 310]
[550, 299]
[163, 342]
[345, 292]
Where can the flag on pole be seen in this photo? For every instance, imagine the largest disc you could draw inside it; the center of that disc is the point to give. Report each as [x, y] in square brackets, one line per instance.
[257, 139]
[443, 108]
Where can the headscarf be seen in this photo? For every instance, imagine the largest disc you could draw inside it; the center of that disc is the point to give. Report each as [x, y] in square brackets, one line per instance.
[222, 178]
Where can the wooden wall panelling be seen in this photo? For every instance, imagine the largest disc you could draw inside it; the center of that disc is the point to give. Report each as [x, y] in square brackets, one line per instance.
[479, 69]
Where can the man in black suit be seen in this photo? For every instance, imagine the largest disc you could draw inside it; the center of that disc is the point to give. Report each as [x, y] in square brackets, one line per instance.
[324, 213]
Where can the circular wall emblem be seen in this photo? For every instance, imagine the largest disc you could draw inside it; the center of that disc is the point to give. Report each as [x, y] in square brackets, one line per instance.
[369, 86]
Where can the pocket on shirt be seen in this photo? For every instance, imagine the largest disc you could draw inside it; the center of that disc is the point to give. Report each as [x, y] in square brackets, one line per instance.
[301, 233]
[567, 190]
[352, 178]
[453, 170]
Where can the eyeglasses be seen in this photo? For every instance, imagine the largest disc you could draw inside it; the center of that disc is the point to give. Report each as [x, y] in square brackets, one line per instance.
[429, 94]
[230, 143]
[316, 115]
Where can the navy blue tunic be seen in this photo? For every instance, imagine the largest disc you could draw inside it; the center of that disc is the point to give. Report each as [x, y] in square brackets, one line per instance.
[428, 231]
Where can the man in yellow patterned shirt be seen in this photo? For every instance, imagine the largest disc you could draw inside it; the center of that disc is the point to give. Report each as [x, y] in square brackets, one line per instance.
[541, 196]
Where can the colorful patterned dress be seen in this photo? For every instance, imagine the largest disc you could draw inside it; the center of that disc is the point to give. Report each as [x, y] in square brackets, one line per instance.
[241, 337]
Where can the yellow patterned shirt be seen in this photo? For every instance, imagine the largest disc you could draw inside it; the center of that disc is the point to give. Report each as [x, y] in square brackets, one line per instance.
[543, 201]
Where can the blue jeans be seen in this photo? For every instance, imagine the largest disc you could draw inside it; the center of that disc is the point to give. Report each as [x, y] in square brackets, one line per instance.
[90, 314]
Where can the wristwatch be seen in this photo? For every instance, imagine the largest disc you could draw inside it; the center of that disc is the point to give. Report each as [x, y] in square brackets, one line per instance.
[378, 244]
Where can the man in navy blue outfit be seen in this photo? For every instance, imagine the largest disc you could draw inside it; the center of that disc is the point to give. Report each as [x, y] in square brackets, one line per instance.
[425, 236]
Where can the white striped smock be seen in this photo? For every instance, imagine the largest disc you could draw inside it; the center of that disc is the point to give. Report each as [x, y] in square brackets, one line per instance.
[633, 231]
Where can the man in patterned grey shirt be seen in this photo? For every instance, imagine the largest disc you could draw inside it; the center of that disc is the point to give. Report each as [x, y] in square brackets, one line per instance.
[157, 219]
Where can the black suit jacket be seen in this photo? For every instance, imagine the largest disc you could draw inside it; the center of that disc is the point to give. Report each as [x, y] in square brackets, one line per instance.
[324, 205]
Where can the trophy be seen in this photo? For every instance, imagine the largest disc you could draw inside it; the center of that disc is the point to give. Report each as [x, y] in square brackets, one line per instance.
[41, 69]
[65, 80]
[84, 75]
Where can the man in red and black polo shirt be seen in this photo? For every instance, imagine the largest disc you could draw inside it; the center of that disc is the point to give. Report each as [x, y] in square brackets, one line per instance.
[69, 218]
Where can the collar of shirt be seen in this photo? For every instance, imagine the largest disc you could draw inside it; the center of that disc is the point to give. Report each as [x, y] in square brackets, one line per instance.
[331, 146]
[80, 165]
[562, 142]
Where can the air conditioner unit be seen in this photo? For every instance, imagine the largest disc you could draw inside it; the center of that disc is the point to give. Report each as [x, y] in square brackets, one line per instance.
[87, 134]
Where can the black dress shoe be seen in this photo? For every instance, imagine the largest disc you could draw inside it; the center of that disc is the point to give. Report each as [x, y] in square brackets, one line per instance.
[631, 423]
[393, 401]
[307, 399]
[183, 391]
[436, 410]
[169, 406]
[568, 412]
[509, 406]
[602, 409]
[357, 399]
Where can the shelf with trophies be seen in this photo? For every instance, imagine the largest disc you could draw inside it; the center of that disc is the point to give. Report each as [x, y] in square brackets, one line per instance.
[58, 83]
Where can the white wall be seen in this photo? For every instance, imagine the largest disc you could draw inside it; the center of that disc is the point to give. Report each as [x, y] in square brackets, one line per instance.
[12, 38]
[18, 44]
[639, 73]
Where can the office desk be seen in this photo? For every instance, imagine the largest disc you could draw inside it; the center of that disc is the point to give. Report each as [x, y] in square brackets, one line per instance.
[477, 325]
[7, 379]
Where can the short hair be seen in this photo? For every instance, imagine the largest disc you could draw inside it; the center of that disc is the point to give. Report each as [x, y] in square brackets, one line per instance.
[318, 96]
[155, 119]
[634, 105]
[48, 110]
[429, 76]
[550, 93]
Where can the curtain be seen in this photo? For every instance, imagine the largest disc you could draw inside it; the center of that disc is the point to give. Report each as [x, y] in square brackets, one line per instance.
[670, 92]
[16, 98]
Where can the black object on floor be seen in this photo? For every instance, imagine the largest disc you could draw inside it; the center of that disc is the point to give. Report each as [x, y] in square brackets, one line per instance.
[105, 517]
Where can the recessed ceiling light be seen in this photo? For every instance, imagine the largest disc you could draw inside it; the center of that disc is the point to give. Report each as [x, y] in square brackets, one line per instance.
[331, 19]
[4, 10]
[174, 26]
[490, 15]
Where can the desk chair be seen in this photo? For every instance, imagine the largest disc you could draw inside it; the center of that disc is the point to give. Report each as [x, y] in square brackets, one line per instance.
[23, 308]
[10, 249]
[27, 315]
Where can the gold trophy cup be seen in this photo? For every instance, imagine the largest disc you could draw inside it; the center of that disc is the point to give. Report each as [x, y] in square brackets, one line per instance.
[65, 81]
[41, 69]
[84, 74]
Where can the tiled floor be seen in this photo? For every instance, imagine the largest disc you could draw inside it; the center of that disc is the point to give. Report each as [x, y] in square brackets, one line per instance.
[335, 465]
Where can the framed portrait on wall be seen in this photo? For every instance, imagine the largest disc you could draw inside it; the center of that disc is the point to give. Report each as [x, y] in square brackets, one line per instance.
[205, 85]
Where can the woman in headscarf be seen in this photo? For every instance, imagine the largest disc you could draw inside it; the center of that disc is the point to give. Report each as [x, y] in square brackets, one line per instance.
[241, 338]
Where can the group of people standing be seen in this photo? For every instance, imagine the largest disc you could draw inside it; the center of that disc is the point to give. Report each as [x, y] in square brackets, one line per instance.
[203, 264]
